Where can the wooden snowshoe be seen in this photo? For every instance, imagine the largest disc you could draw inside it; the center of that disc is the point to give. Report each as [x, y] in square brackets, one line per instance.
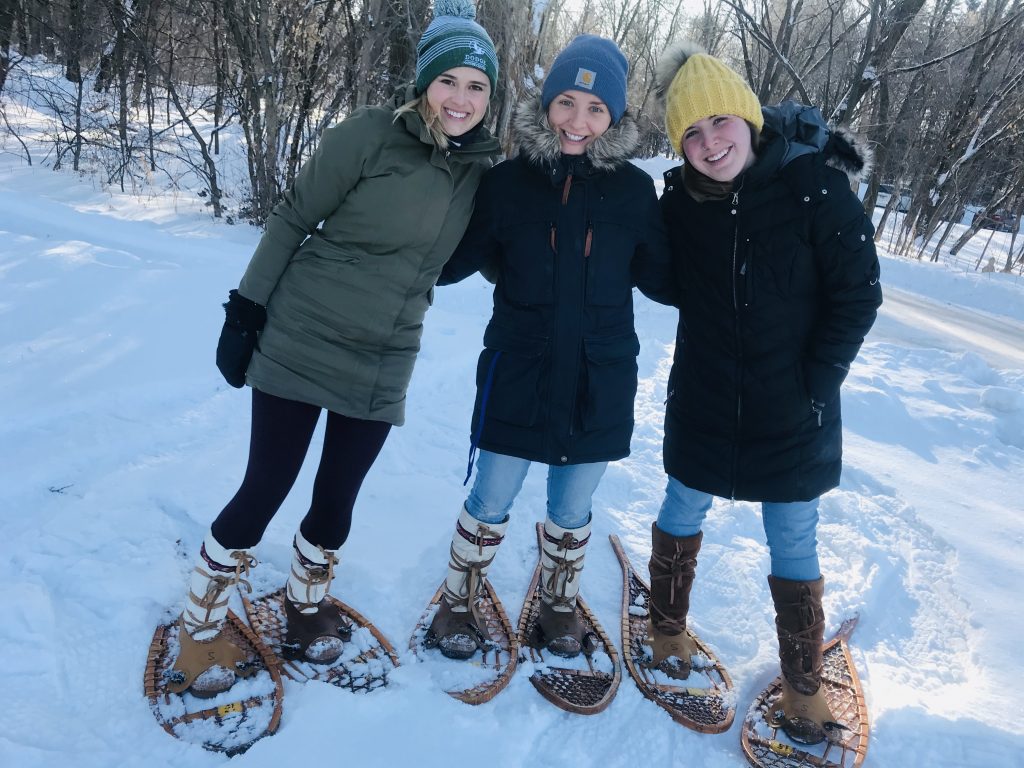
[365, 662]
[705, 701]
[767, 745]
[231, 721]
[585, 684]
[482, 677]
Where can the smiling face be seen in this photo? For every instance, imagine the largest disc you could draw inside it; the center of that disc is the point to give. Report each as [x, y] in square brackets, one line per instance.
[579, 119]
[459, 97]
[719, 146]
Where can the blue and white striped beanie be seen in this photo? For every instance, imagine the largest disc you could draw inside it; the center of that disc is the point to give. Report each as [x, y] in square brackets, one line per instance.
[454, 39]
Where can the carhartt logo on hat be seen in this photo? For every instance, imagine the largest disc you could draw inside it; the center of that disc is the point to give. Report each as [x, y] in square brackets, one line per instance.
[593, 64]
[585, 78]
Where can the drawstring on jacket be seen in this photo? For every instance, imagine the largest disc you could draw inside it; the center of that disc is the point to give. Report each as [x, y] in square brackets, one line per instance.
[474, 439]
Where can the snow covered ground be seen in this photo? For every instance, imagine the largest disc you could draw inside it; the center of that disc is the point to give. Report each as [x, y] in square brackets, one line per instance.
[119, 443]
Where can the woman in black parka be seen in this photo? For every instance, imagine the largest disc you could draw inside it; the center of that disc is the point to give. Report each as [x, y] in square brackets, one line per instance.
[568, 228]
[778, 279]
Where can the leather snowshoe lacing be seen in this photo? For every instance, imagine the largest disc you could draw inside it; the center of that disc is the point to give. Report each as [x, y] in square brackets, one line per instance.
[474, 570]
[217, 585]
[315, 575]
[801, 665]
[679, 570]
[561, 574]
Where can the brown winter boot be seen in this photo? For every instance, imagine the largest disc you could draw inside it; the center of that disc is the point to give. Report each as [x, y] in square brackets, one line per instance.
[561, 562]
[458, 629]
[802, 711]
[672, 566]
[317, 631]
[208, 662]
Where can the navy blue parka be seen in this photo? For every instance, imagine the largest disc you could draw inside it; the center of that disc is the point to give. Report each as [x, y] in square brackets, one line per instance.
[779, 284]
[567, 238]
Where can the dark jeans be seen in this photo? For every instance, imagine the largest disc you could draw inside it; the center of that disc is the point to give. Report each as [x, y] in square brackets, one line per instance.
[281, 432]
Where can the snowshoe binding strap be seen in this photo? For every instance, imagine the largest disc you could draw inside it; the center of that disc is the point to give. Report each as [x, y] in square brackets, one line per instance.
[806, 719]
[196, 657]
[315, 637]
[672, 654]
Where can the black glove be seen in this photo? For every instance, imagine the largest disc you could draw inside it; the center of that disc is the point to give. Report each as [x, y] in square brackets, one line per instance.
[244, 319]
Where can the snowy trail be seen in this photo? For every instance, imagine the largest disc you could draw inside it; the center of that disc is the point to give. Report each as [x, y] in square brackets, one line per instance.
[910, 318]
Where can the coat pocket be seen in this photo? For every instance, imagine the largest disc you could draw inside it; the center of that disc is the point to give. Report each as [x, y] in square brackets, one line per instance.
[509, 375]
[611, 381]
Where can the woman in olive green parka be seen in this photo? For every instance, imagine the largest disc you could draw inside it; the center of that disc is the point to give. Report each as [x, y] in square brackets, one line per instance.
[328, 316]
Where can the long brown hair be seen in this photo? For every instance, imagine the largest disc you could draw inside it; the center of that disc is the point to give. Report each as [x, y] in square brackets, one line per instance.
[703, 188]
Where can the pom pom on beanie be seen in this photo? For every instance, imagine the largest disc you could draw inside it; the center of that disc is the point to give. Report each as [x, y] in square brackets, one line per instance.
[695, 85]
[454, 39]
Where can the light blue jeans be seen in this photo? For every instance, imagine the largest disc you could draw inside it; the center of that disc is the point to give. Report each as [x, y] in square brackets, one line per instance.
[499, 479]
[789, 527]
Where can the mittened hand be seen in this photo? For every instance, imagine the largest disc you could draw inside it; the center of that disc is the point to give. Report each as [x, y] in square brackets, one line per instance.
[244, 319]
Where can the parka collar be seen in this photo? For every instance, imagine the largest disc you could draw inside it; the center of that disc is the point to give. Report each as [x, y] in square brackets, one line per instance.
[539, 145]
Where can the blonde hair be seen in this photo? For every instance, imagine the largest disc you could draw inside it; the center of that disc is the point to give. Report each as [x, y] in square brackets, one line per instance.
[421, 107]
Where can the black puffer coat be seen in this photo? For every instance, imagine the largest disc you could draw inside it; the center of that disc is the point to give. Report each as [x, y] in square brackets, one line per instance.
[779, 284]
[567, 238]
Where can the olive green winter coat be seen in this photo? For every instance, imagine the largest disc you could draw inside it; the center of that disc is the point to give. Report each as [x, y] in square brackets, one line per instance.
[345, 307]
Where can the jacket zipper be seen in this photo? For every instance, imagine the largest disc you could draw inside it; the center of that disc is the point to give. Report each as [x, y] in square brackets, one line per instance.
[739, 343]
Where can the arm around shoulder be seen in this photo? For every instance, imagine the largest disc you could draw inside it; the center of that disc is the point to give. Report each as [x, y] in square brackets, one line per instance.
[478, 251]
[652, 266]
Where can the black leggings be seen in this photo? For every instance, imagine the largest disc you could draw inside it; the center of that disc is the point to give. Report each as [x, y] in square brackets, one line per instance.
[281, 432]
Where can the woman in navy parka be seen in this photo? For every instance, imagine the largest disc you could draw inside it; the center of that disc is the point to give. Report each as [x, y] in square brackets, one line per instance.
[567, 228]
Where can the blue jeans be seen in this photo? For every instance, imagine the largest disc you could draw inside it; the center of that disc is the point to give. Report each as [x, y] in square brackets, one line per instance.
[789, 527]
[499, 479]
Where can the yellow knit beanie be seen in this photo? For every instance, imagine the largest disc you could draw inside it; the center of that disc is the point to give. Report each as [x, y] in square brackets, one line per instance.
[695, 85]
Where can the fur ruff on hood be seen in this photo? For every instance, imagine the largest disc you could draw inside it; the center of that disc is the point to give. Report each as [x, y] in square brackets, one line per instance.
[849, 152]
[539, 143]
[844, 150]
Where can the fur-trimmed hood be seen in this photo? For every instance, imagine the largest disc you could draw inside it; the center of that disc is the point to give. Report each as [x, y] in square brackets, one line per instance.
[850, 153]
[539, 143]
[805, 132]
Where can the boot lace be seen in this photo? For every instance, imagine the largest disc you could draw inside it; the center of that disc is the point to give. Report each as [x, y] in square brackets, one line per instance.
[474, 570]
[561, 573]
[800, 664]
[677, 568]
[217, 585]
[314, 575]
